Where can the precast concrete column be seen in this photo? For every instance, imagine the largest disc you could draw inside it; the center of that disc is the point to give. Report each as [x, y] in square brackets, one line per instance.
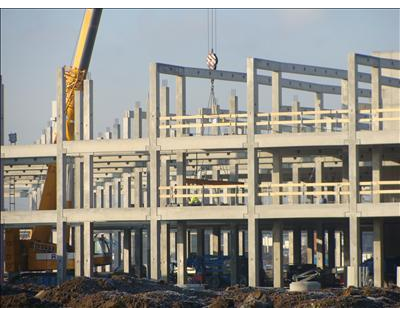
[188, 243]
[318, 163]
[2, 251]
[215, 176]
[276, 175]
[126, 190]
[78, 119]
[225, 242]
[148, 189]
[345, 176]
[310, 246]
[108, 195]
[88, 248]
[200, 121]
[233, 110]
[233, 254]
[164, 108]
[215, 130]
[294, 199]
[181, 253]
[79, 250]
[378, 252]
[376, 96]
[320, 249]
[117, 202]
[164, 250]
[87, 109]
[376, 173]
[338, 249]
[276, 97]
[164, 111]
[331, 247]
[346, 246]
[88, 181]
[138, 251]
[127, 251]
[172, 237]
[137, 121]
[153, 119]
[345, 102]
[215, 242]
[319, 106]
[297, 245]
[138, 188]
[233, 176]
[296, 128]
[116, 249]
[116, 133]
[277, 254]
[165, 177]
[78, 183]
[78, 134]
[181, 175]
[253, 170]
[242, 246]
[353, 156]
[100, 196]
[2, 172]
[127, 122]
[200, 242]
[355, 255]
[61, 180]
[180, 102]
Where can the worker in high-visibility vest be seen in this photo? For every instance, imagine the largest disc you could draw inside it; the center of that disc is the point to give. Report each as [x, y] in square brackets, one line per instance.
[194, 201]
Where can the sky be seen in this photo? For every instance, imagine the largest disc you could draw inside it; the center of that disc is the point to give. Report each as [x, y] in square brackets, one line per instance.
[35, 42]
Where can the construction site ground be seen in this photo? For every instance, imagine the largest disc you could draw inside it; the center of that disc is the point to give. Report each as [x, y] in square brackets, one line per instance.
[129, 291]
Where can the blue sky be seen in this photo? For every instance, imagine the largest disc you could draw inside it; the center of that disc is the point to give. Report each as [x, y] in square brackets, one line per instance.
[35, 42]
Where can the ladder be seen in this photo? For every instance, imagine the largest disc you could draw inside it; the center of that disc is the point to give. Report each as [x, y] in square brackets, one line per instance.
[11, 190]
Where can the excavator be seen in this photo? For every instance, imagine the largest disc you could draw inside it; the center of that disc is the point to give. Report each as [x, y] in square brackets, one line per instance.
[36, 252]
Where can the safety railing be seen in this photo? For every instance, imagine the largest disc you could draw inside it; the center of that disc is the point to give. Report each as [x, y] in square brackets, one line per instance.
[371, 116]
[303, 121]
[388, 191]
[291, 121]
[205, 194]
[304, 192]
[300, 121]
[202, 121]
[285, 193]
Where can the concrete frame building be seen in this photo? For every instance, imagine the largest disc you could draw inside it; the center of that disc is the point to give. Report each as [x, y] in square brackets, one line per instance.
[321, 175]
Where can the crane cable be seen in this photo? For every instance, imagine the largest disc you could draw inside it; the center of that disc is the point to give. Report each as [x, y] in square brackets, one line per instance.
[212, 59]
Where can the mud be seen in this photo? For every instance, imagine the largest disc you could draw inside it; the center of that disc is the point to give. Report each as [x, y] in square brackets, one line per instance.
[128, 291]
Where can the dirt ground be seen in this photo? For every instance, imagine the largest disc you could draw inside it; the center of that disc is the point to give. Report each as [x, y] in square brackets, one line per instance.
[128, 291]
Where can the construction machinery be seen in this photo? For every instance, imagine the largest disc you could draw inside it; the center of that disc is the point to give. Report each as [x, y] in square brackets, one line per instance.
[38, 253]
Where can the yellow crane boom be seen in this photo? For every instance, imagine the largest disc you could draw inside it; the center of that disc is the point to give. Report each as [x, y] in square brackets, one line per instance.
[77, 72]
[41, 234]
